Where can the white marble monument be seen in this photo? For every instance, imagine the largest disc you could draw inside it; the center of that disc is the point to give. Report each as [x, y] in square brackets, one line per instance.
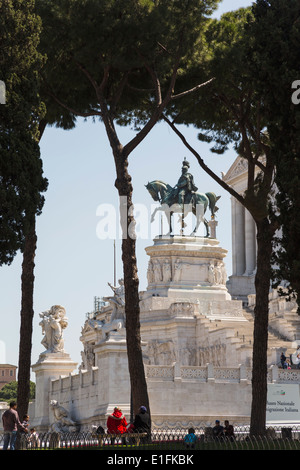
[196, 335]
[53, 363]
[241, 281]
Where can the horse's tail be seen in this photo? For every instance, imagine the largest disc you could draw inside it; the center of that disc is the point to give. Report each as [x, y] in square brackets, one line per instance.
[212, 202]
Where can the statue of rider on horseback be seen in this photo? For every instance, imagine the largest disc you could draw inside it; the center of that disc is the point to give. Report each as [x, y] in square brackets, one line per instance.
[184, 189]
[183, 198]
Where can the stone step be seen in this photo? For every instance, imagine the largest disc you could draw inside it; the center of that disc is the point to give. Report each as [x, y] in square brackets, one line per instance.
[240, 337]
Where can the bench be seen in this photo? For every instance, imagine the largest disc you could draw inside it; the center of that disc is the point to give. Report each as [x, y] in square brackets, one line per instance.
[136, 436]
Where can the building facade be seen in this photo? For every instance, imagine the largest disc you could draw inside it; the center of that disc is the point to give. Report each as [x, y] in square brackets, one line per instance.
[7, 374]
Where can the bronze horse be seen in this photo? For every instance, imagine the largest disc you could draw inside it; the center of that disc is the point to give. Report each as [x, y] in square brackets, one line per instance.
[197, 204]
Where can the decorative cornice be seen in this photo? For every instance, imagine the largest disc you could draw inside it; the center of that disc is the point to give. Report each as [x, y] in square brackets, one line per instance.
[238, 168]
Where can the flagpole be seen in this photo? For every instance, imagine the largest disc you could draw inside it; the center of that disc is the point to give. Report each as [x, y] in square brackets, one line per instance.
[115, 281]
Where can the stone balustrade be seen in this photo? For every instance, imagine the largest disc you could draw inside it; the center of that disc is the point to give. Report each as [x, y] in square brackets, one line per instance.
[72, 381]
[209, 373]
[176, 372]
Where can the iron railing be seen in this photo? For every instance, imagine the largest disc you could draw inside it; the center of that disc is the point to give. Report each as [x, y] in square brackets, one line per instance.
[275, 438]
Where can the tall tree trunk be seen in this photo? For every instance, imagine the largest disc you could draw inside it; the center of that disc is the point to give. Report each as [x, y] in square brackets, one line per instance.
[261, 319]
[138, 382]
[27, 312]
[26, 327]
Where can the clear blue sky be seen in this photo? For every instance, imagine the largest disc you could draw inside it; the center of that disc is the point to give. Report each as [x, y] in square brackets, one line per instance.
[72, 264]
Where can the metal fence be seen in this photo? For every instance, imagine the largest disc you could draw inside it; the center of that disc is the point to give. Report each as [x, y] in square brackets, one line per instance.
[276, 438]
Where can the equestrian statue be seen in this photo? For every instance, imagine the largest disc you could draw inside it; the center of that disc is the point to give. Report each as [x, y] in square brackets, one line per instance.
[182, 199]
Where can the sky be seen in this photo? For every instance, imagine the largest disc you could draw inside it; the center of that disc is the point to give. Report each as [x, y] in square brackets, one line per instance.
[74, 260]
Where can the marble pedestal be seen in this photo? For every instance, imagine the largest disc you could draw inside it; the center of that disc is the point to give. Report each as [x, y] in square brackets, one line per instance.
[187, 266]
[50, 366]
[187, 314]
[114, 386]
[241, 286]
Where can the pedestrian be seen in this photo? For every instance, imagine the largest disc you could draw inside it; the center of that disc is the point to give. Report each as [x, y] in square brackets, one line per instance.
[142, 421]
[228, 430]
[116, 423]
[142, 424]
[25, 422]
[11, 423]
[218, 430]
[190, 439]
[282, 360]
[100, 430]
[24, 434]
[33, 439]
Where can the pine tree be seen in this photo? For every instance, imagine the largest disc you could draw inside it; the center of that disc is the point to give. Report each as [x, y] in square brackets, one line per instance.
[119, 66]
[21, 175]
[276, 55]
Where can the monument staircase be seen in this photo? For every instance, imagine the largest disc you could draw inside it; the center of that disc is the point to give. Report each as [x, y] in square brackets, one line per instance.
[284, 330]
[238, 336]
[288, 326]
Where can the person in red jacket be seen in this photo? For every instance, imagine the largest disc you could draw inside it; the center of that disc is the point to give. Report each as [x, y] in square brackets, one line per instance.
[116, 423]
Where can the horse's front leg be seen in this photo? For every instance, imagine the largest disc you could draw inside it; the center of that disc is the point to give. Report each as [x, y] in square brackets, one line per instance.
[207, 228]
[199, 220]
[169, 234]
[154, 213]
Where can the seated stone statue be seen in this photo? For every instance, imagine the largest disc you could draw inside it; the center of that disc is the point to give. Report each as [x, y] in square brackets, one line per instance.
[63, 422]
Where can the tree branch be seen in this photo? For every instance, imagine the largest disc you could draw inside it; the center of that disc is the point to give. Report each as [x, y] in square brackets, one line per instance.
[203, 165]
[156, 82]
[116, 98]
[188, 92]
[104, 79]
[161, 105]
[87, 74]
[72, 110]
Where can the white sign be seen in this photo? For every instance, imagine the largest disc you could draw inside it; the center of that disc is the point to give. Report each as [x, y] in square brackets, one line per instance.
[283, 403]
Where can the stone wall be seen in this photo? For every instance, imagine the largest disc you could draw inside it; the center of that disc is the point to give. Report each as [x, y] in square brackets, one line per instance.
[194, 338]
[178, 395]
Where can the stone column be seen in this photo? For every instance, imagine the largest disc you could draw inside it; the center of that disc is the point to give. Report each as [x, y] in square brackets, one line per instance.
[250, 244]
[113, 375]
[50, 366]
[213, 228]
[233, 203]
[239, 239]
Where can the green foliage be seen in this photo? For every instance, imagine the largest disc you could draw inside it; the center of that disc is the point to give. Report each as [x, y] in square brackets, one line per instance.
[117, 62]
[120, 46]
[9, 392]
[21, 180]
[276, 58]
[229, 112]
[222, 56]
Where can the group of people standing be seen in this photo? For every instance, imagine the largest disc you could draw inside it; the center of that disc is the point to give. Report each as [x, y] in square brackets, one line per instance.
[12, 425]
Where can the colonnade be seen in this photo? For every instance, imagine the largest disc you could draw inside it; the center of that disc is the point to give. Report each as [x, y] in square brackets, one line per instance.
[243, 240]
